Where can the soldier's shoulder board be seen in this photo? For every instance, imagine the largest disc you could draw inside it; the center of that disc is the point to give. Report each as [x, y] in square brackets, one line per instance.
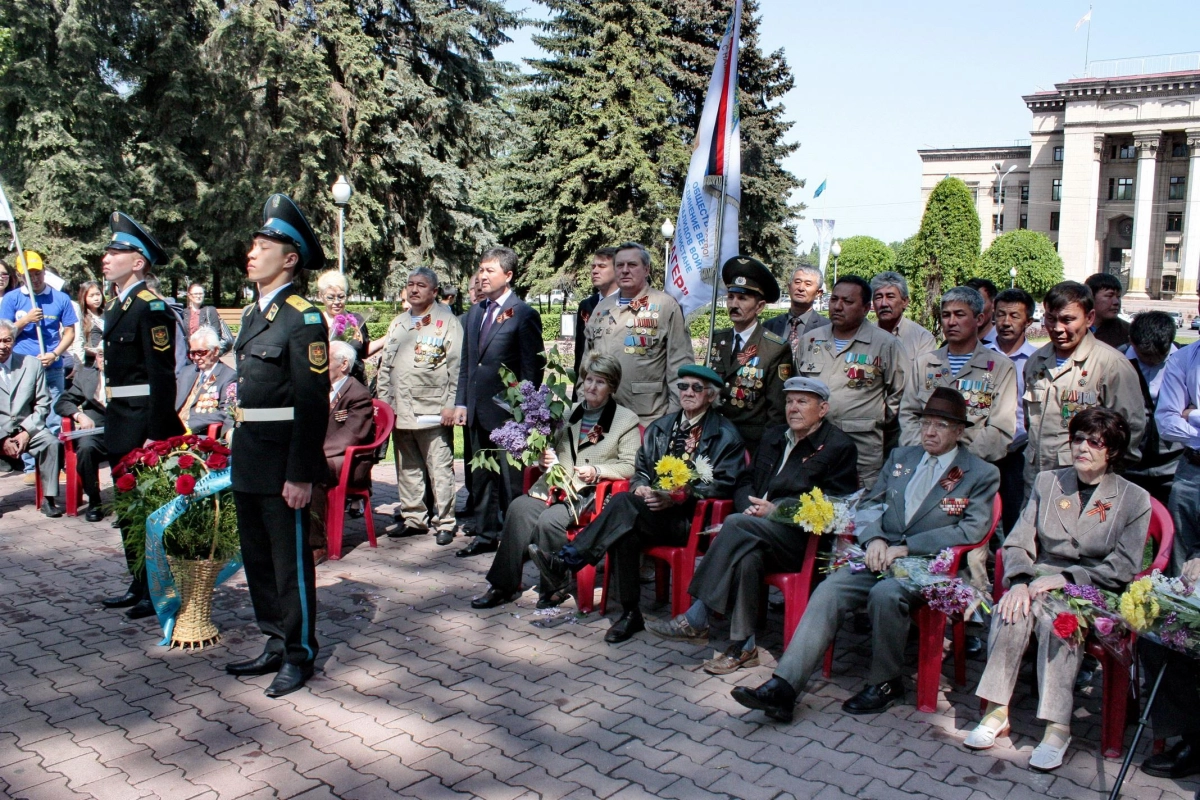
[157, 305]
[771, 336]
[147, 295]
[246, 311]
[299, 303]
[312, 318]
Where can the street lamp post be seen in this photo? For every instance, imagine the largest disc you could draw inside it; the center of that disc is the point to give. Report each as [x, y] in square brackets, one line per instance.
[1012, 273]
[668, 231]
[835, 251]
[342, 190]
[1000, 195]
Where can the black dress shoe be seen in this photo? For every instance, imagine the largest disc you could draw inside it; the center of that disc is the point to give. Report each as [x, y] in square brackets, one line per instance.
[405, 532]
[478, 547]
[776, 698]
[143, 609]
[50, 509]
[876, 698]
[547, 563]
[624, 628]
[290, 678]
[1181, 761]
[444, 538]
[493, 597]
[132, 595]
[570, 558]
[95, 512]
[354, 512]
[265, 664]
[974, 646]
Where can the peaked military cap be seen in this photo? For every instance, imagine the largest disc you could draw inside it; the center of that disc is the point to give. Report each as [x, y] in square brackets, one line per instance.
[283, 221]
[746, 275]
[129, 236]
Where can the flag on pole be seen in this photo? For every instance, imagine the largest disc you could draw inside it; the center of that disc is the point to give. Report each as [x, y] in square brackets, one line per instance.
[6, 214]
[1085, 18]
[824, 240]
[820, 189]
[717, 154]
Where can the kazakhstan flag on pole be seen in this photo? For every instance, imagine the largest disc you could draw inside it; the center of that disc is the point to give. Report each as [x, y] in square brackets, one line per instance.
[820, 189]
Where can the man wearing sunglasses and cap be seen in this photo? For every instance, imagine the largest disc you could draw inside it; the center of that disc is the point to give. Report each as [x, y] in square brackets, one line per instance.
[752, 361]
[139, 369]
[282, 355]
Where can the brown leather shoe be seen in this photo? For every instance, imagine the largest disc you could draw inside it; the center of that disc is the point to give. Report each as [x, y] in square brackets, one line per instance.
[731, 660]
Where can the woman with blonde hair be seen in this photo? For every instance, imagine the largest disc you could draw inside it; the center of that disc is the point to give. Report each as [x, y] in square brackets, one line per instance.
[333, 290]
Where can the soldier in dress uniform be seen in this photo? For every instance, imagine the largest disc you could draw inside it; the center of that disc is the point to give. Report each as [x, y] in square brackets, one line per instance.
[644, 330]
[752, 361]
[1072, 372]
[418, 377]
[282, 354]
[863, 367]
[139, 369]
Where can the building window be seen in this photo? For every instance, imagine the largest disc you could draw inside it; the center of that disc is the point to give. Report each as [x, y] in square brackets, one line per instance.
[1024, 192]
[1058, 153]
[1174, 222]
[1178, 188]
[1115, 254]
[1171, 253]
[1120, 188]
[1168, 284]
[1003, 195]
[1126, 151]
[1053, 220]
[1056, 189]
[1024, 222]
[1179, 150]
[997, 223]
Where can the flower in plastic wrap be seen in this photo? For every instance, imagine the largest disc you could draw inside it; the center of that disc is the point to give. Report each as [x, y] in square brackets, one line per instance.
[1138, 604]
[1066, 625]
[814, 513]
[703, 468]
[942, 562]
[1104, 626]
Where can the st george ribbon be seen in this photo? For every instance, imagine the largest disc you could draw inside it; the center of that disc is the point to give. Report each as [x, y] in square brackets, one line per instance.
[713, 191]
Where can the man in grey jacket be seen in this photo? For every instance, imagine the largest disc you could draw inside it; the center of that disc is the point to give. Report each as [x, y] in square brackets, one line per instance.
[24, 404]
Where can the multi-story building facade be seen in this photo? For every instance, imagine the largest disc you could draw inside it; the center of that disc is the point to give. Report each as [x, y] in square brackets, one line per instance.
[1111, 174]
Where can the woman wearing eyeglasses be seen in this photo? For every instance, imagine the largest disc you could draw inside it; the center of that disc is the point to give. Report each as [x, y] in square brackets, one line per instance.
[1083, 525]
[333, 290]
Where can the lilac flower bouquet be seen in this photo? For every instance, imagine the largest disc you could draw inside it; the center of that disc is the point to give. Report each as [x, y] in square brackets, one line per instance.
[345, 328]
[930, 576]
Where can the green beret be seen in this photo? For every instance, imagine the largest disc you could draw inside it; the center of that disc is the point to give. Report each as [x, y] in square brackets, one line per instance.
[702, 372]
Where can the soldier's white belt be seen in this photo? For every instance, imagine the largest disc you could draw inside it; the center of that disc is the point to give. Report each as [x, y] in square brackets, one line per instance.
[264, 414]
[137, 390]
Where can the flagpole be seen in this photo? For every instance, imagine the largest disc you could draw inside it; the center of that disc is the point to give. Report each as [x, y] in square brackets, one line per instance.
[6, 209]
[719, 180]
[1088, 46]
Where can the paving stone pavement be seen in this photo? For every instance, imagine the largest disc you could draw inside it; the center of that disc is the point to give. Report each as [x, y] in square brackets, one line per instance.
[419, 696]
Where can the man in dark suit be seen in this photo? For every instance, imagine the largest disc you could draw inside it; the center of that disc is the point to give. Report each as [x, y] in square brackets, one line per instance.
[207, 389]
[604, 282]
[804, 288]
[139, 369]
[282, 353]
[500, 330]
[84, 402]
[806, 453]
[935, 496]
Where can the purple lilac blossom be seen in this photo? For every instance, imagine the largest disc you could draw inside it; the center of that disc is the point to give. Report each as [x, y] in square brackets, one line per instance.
[1088, 593]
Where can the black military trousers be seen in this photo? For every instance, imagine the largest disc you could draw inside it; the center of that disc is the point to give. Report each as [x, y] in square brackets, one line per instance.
[139, 575]
[280, 574]
[89, 452]
[491, 492]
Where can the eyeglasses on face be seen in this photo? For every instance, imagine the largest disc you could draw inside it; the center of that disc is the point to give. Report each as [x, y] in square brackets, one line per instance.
[684, 386]
[928, 423]
[198, 353]
[1093, 442]
[334, 298]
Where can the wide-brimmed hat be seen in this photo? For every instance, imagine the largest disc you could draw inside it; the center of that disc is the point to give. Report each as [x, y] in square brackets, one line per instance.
[947, 404]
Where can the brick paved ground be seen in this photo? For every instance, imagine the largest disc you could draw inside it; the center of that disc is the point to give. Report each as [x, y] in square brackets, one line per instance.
[418, 695]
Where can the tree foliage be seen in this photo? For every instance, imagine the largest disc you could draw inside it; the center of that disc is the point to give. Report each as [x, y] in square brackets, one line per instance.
[947, 249]
[864, 256]
[1038, 264]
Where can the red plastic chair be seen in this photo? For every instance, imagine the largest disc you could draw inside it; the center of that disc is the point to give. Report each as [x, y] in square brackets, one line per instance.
[1116, 684]
[931, 633]
[70, 466]
[335, 502]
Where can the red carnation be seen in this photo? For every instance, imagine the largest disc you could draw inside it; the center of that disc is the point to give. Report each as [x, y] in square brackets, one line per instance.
[126, 483]
[220, 449]
[205, 445]
[150, 459]
[217, 461]
[185, 484]
[1065, 625]
[186, 461]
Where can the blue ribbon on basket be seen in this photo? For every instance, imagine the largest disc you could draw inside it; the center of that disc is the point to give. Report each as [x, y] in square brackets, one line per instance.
[158, 572]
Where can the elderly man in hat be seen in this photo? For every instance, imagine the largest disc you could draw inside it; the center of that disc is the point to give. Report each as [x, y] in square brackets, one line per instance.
[936, 496]
[795, 458]
[139, 370]
[752, 361]
[282, 353]
[647, 516]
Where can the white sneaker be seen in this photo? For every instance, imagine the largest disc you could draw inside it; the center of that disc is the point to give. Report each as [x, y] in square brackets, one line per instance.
[984, 736]
[1047, 757]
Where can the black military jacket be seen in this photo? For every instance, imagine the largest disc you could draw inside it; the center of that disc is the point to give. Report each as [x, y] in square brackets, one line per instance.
[282, 363]
[753, 393]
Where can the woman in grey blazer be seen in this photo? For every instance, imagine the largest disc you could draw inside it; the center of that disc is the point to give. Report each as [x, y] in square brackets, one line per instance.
[600, 443]
[1083, 525]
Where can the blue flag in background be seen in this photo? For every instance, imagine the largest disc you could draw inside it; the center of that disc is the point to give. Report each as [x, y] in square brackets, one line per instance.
[820, 189]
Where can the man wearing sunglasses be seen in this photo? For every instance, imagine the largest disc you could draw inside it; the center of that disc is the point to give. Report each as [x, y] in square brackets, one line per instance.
[646, 516]
[207, 389]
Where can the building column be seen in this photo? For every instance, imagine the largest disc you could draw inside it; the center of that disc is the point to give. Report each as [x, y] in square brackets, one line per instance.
[1080, 200]
[1147, 144]
[1189, 270]
[1090, 264]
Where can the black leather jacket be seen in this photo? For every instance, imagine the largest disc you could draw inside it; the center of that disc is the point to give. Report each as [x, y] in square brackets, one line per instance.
[720, 443]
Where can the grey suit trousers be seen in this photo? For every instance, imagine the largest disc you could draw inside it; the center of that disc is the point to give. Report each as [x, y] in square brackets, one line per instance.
[888, 604]
[43, 447]
[1057, 665]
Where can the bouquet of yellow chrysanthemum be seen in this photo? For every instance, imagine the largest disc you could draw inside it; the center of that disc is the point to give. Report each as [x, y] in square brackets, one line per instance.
[1138, 605]
[815, 513]
[677, 475]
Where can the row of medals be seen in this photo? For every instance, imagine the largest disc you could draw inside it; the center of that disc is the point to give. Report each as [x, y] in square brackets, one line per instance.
[977, 394]
[643, 330]
[429, 350]
[746, 381]
[861, 371]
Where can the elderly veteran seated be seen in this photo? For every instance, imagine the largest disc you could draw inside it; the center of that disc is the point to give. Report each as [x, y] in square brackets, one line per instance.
[647, 517]
[84, 402]
[793, 459]
[936, 496]
[600, 443]
[24, 405]
[1082, 525]
[206, 388]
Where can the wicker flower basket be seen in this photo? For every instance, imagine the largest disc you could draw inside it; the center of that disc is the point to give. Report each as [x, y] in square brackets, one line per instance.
[194, 628]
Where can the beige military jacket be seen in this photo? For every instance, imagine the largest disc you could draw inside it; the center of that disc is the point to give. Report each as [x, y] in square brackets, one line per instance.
[418, 373]
[988, 382]
[865, 382]
[1094, 375]
[651, 341]
[914, 340]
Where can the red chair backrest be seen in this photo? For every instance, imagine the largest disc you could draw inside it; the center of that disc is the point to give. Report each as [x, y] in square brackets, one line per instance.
[1162, 531]
[385, 420]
